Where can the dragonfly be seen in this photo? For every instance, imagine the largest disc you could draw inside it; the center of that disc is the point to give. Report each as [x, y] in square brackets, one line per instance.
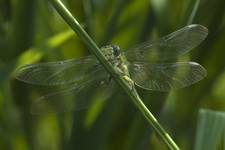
[151, 65]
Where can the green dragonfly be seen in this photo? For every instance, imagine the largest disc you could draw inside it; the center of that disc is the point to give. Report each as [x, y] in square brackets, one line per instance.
[151, 65]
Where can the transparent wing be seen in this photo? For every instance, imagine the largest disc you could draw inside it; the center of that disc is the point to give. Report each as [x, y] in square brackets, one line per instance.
[169, 46]
[167, 76]
[72, 98]
[61, 72]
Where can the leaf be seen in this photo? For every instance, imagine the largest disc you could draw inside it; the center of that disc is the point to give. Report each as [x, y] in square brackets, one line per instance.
[210, 130]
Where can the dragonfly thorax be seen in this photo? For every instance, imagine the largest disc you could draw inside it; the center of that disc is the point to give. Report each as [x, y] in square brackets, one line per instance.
[116, 58]
[111, 50]
[112, 53]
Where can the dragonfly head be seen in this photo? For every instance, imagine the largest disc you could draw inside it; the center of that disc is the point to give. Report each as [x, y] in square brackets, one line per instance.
[111, 51]
[116, 50]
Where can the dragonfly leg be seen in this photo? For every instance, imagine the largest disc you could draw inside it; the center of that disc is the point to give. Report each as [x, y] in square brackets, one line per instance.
[130, 82]
[107, 80]
[119, 73]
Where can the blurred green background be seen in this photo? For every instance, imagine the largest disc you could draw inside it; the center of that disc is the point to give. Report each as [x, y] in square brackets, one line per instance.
[31, 31]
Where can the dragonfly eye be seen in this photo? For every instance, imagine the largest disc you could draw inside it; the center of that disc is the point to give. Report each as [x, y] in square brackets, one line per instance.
[116, 50]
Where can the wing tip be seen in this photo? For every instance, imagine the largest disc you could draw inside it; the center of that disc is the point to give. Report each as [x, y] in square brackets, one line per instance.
[19, 72]
[200, 66]
[199, 27]
[22, 75]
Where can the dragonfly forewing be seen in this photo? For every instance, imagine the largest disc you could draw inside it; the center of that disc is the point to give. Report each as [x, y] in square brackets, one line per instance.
[170, 46]
[61, 72]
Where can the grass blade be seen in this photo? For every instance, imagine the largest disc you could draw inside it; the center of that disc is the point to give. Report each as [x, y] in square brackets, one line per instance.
[210, 130]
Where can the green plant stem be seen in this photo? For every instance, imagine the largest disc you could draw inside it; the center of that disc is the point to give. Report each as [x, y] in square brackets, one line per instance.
[193, 12]
[73, 23]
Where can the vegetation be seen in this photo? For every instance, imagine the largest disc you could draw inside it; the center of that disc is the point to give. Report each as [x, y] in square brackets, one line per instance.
[32, 31]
